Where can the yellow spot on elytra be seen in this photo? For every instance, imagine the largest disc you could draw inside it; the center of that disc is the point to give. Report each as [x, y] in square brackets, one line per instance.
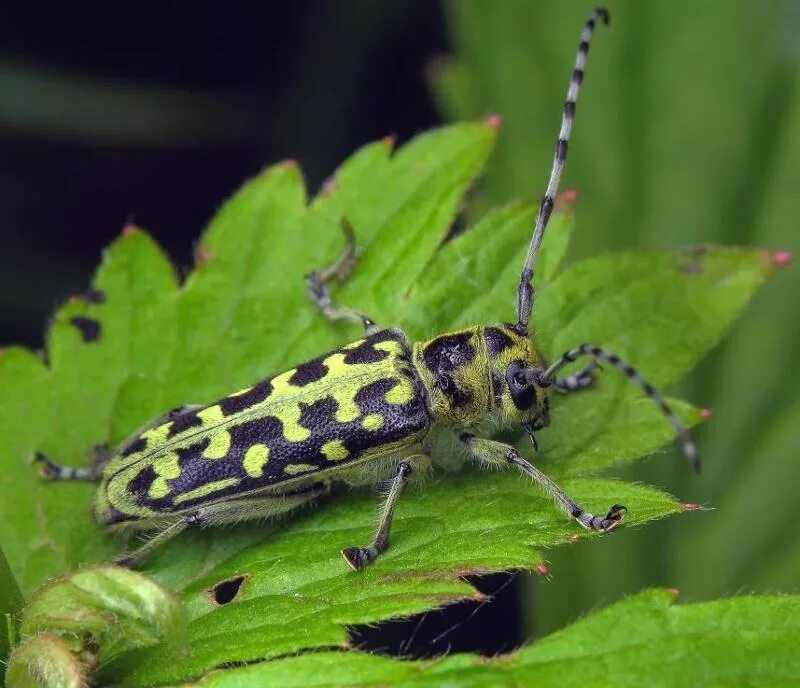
[401, 393]
[289, 414]
[157, 436]
[166, 468]
[211, 415]
[374, 421]
[255, 459]
[390, 346]
[342, 381]
[354, 345]
[335, 450]
[296, 468]
[207, 489]
[219, 446]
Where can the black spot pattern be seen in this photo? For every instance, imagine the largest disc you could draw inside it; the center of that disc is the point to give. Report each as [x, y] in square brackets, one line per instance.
[497, 341]
[242, 402]
[309, 372]
[141, 483]
[497, 386]
[139, 444]
[183, 421]
[318, 416]
[88, 327]
[445, 354]
[448, 352]
[366, 352]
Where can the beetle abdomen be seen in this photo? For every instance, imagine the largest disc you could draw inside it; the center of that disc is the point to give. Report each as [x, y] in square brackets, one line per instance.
[360, 401]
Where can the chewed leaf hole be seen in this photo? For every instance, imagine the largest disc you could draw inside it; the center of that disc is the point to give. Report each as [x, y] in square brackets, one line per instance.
[226, 591]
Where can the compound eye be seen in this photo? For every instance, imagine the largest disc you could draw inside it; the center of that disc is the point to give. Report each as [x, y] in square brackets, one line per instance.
[523, 394]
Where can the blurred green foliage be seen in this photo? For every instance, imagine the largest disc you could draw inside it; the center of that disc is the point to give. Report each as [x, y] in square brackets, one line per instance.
[688, 131]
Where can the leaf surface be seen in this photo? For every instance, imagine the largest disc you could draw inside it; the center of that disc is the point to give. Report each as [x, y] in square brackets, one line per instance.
[643, 640]
[242, 314]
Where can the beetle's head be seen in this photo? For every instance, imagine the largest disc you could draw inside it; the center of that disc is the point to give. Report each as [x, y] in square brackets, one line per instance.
[520, 391]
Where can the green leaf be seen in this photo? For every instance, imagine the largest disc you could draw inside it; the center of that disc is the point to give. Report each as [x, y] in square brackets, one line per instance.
[296, 592]
[87, 617]
[116, 607]
[243, 314]
[644, 640]
[11, 603]
[44, 661]
[652, 171]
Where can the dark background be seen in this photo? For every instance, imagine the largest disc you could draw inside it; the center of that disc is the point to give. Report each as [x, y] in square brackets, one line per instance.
[111, 112]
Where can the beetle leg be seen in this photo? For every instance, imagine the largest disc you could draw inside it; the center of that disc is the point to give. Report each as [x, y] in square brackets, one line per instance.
[498, 454]
[231, 511]
[340, 270]
[359, 557]
[51, 470]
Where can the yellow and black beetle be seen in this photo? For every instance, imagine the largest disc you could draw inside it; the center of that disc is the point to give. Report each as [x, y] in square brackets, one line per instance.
[376, 402]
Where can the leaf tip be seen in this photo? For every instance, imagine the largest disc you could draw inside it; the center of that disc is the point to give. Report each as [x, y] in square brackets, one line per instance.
[574, 539]
[706, 413]
[542, 569]
[691, 506]
[389, 141]
[329, 187]
[130, 230]
[675, 592]
[781, 259]
[202, 254]
[494, 121]
[290, 164]
[566, 200]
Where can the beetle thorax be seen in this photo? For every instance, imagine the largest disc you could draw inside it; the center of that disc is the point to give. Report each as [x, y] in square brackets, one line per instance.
[465, 374]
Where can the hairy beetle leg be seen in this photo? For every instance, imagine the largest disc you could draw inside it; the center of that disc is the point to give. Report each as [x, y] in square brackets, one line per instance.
[498, 454]
[359, 557]
[52, 470]
[317, 281]
[615, 516]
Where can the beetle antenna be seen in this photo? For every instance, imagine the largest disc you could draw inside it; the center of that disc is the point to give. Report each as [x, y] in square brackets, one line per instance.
[548, 377]
[525, 290]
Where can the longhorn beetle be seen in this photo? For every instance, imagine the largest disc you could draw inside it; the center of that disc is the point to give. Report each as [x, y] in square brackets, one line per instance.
[370, 407]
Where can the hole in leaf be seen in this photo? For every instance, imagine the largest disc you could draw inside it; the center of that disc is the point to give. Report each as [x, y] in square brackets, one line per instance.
[490, 624]
[88, 327]
[226, 591]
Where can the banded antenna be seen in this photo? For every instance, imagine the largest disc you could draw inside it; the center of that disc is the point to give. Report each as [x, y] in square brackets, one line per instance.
[525, 291]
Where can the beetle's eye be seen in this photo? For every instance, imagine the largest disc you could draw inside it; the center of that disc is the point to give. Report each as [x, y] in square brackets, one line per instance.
[523, 394]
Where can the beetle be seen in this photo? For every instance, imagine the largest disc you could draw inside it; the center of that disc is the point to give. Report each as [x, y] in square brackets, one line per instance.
[364, 411]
